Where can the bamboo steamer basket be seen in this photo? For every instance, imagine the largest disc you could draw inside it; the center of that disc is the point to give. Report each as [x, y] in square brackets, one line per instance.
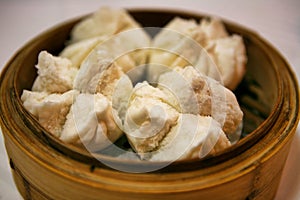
[45, 168]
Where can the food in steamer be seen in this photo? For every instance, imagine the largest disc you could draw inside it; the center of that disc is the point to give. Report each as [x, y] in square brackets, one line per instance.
[169, 101]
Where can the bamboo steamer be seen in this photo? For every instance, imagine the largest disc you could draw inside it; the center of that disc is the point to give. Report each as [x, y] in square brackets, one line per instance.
[45, 168]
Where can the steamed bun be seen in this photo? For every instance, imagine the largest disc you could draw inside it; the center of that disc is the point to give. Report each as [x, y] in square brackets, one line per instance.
[206, 46]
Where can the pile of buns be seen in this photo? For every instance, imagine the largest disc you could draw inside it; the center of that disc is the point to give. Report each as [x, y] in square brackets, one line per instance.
[170, 94]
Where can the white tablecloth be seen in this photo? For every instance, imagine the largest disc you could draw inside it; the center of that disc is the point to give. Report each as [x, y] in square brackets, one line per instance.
[276, 20]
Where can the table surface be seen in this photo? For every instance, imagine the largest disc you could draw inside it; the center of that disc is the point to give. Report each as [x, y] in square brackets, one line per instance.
[278, 21]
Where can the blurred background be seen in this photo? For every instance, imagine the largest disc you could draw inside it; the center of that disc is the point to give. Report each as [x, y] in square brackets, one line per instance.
[278, 21]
